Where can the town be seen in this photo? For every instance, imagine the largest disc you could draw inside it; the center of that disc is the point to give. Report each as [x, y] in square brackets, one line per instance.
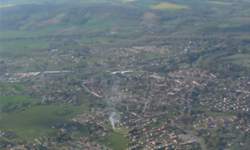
[124, 75]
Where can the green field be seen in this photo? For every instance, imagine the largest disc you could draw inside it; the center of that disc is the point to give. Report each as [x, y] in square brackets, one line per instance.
[13, 103]
[117, 140]
[38, 121]
[168, 6]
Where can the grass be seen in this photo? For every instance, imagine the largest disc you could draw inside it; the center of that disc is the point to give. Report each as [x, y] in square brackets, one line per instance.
[22, 47]
[168, 6]
[11, 88]
[239, 59]
[38, 120]
[22, 2]
[220, 2]
[14, 103]
[6, 5]
[117, 140]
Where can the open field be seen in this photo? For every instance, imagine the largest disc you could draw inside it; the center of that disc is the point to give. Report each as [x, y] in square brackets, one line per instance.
[37, 120]
[168, 6]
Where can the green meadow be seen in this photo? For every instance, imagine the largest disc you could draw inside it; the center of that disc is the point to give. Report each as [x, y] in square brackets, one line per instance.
[117, 140]
[35, 120]
[168, 6]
